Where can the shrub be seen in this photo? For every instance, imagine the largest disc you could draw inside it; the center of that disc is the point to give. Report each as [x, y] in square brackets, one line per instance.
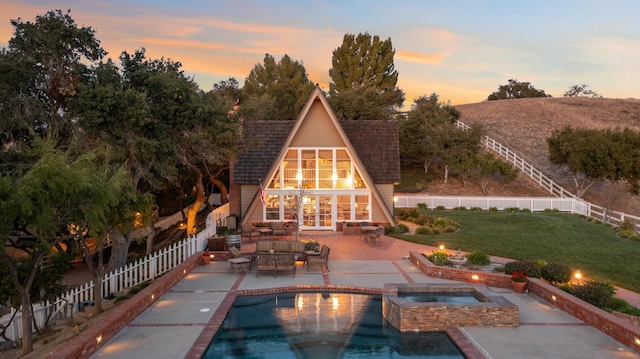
[551, 210]
[594, 294]
[476, 209]
[460, 208]
[493, 209]
[622, 306]
[391, 230]
[602, 283]
[556, 272]
[422, 206]
[627, 225]
[526, 210]
[478, 258]
[403, 228]
[442, 222]
[437, 230]
[424, 230]
[511, 209]
[438, 258]
[440, 208]
[529, 268]
[423, 220]
[540, 262]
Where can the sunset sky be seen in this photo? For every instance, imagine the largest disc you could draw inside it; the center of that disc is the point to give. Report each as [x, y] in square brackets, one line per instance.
[462, 50]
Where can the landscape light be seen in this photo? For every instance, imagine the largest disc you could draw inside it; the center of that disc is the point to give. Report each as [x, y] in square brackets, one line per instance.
[442, 247]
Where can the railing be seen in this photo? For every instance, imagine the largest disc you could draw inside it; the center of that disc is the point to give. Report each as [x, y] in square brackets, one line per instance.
[588, 209]
[130, 275]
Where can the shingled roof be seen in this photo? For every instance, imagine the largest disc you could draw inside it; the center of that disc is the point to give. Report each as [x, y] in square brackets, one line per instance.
[375, 142]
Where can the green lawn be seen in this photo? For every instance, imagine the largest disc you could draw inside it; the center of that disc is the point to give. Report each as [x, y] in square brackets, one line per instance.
[592, 248]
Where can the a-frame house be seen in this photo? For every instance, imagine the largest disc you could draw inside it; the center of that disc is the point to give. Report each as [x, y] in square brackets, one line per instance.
[343, 171]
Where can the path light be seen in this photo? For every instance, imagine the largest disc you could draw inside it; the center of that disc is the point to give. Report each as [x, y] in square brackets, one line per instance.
[577, 275]
[442, 247]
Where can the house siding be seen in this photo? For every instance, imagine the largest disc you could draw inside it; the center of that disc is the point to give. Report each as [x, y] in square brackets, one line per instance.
[387, 191]
[317, 130]
[248, 192]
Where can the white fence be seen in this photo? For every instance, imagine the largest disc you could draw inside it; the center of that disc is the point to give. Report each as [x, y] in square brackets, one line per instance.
[578, 205]
[130, 275]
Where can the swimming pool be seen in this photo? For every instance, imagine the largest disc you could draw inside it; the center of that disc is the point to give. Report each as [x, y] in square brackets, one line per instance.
[320, 325]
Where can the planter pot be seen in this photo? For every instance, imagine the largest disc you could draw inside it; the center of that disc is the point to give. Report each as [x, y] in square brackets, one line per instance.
[339, 226]
[519, 287]
[206, 258]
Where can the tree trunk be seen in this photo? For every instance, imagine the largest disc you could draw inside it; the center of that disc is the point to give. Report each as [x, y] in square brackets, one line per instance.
[96, 271]
[426, 165]
[193, 210]
[150, 238]
[119, 248]
[224, 192]
[27, 333]
[446, 173]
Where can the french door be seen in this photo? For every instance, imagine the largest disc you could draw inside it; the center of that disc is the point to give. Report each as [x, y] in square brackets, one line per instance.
[317, 212]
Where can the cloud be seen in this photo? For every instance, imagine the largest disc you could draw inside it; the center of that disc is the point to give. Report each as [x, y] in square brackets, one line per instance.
[428, 59]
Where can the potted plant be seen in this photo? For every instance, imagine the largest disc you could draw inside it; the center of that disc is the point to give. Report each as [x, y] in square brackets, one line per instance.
[206, 257]
[519, 281]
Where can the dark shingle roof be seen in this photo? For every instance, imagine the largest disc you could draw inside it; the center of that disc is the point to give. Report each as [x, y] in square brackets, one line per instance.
[377, 145]
[375, 142]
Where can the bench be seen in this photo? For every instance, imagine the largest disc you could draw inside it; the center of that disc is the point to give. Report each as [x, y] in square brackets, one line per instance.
[274, 262]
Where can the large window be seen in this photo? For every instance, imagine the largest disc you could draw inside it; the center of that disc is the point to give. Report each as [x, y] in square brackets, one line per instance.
[320, 176]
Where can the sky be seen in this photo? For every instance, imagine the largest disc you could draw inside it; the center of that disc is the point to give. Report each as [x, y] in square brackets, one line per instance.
[462, 50]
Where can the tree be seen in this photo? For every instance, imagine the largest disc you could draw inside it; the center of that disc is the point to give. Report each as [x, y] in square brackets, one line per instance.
[581, 91]
[487, 165]
[587, 153]
[460, 149]
[514, 89]
[425, 128]
[364, 79]
[52, 54]
[40, 205]
[276, 91]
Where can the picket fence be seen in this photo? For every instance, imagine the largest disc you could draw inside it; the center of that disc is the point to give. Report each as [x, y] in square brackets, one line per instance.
[116, 281]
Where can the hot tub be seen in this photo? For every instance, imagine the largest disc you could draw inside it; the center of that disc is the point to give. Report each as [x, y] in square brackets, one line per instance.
[435, 307]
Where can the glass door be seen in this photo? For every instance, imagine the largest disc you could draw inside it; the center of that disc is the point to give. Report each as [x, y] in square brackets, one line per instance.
[317, 212]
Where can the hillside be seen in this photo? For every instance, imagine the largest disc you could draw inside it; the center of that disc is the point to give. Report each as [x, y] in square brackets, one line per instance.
[524, 125]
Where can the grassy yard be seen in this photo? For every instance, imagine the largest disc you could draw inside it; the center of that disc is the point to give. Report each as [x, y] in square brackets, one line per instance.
[592, 248]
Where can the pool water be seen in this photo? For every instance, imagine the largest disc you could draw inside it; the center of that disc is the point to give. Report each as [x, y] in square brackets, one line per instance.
[320, 325]
[454, 298]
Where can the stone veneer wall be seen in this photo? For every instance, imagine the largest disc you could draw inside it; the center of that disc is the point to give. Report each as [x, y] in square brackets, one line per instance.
[618, 328]
[111, 322]
[495, 311]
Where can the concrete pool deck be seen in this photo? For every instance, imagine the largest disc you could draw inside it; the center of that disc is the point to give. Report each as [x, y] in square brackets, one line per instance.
[173, 324]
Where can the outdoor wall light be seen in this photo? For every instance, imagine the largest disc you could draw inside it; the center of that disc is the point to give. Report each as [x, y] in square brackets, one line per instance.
[553, 297]
[475, 277]
[395, 199]
[637, 341]
[99, 338]
[153, 296]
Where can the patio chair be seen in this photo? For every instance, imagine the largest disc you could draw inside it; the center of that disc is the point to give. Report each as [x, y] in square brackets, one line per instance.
[247, 230]
[238, 261]
[277, 229]
[362, 224]
[323, 258]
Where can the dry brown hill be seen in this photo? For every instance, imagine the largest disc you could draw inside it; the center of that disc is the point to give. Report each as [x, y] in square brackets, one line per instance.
[524, 125]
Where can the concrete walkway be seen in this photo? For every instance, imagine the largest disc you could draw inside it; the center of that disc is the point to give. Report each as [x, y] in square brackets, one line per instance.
[171, 326]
